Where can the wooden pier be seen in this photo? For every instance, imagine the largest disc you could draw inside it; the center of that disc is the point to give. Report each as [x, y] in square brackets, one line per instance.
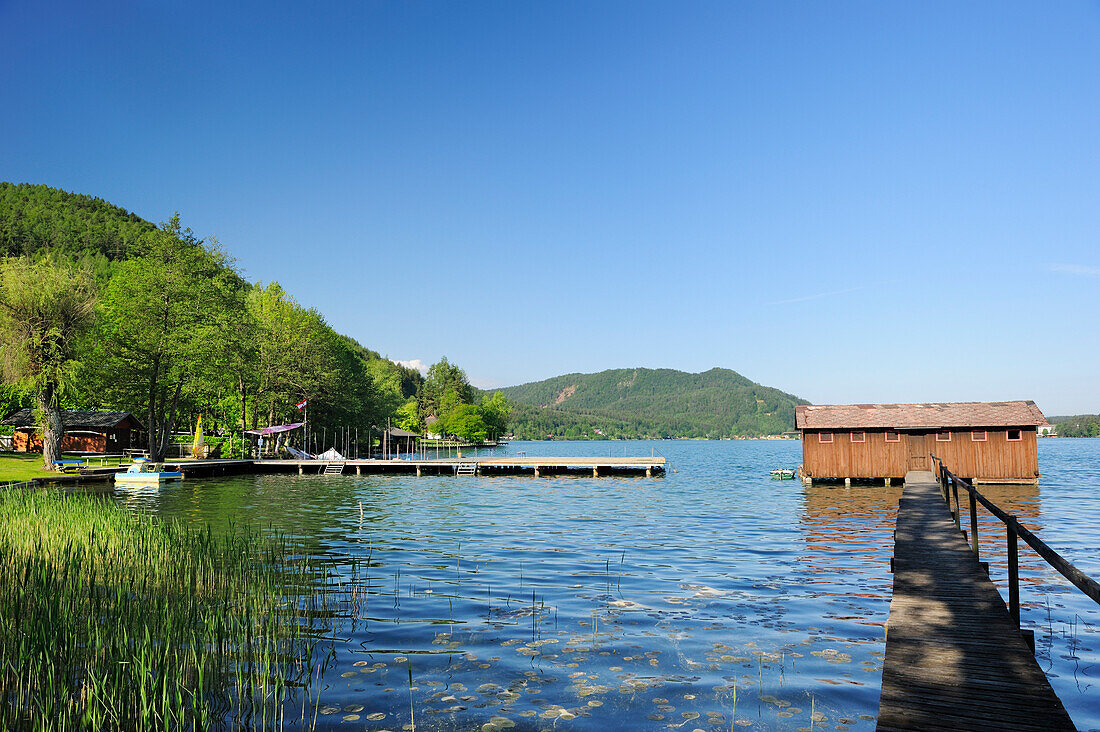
[596, 467]
[504, 465]
[955, 658]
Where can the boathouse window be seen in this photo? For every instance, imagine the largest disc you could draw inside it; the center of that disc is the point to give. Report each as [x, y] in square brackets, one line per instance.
[1015, 435]
[977, 436]
[825, 436]
[893, 437]
[858, 437]
[943, 436]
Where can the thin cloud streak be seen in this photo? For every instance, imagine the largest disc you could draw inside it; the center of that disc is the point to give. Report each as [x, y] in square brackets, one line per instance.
[1080, 270]
[817, 296]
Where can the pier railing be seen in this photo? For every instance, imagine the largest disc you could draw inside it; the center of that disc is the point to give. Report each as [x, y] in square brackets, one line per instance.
[949, 486]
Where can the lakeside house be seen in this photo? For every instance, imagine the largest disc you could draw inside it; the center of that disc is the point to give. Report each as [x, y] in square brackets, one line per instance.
[991, 442]
[85, 431]
[395, 438]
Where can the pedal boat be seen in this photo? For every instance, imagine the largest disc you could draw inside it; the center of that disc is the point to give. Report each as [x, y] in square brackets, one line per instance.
[143, 472]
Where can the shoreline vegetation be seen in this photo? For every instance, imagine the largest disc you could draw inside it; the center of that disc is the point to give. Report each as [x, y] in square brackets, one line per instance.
[1080, 425]
[118, 620]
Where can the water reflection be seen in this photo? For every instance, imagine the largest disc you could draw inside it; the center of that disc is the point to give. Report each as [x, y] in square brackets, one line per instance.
[711, 598]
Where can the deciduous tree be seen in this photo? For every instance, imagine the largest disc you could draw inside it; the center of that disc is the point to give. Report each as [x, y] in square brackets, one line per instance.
[46, 305]
[164, 325]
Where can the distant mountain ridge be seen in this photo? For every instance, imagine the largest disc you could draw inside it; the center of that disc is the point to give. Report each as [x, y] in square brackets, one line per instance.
[650, 403]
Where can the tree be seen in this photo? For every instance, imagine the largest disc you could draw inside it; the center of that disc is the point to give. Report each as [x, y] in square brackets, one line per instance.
[465, 422]
[164, 327]
[496, 412]
[296, 356]
[407, 417]
[388, 380]
[445, 389]
[45, 307]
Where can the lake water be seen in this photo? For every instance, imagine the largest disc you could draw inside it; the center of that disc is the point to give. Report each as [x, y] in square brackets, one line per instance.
[710, 598]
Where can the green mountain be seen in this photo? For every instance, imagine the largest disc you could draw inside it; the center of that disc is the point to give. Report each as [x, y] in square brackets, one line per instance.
[632, 403]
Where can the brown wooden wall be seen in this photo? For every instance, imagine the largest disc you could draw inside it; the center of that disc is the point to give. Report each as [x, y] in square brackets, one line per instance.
[842, 458]
[876, 458]
[31, 441]
[994, 458]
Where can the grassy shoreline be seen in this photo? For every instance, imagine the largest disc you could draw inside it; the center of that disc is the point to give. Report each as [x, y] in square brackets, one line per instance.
[19, 466]
[122, 621]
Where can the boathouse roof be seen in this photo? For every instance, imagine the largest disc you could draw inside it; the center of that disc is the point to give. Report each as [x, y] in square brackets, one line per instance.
[936, 415]
[77, 419]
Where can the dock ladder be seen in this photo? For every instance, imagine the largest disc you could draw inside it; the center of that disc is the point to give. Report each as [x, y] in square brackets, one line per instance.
[334, 469]
[466, 469]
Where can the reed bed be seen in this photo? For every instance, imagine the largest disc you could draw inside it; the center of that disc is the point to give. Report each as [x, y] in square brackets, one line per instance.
[116, 620]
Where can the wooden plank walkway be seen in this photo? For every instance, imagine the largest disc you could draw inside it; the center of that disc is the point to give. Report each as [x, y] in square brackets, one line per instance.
[954, 657]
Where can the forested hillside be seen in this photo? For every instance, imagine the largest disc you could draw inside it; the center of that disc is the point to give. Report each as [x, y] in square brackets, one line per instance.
[650, 403]
[157, 321]
[35, 218]
[1079, 425]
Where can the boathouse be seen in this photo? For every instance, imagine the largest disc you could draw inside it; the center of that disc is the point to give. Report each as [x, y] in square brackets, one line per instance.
[85, 431]
[991, 442]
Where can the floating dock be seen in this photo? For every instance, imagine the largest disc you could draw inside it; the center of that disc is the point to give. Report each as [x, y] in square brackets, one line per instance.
[954, 657]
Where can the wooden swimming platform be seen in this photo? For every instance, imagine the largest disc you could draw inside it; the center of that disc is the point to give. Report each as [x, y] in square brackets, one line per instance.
[503, 465]
[955, 658]
[596, 467]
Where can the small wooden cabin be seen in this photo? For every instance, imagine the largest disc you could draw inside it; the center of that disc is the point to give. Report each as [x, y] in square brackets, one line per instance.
[395, 439]
[85, 431]
[986, 441]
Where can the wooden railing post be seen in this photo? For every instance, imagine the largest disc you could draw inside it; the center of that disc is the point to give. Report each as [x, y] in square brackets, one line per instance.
[1015, 531]
[974, 523]
[1013, 573]
[955, 491]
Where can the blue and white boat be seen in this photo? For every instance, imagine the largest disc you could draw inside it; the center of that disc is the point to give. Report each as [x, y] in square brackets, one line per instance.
[143, 472]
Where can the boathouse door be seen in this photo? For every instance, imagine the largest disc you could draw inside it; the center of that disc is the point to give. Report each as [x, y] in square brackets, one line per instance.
[918, 453]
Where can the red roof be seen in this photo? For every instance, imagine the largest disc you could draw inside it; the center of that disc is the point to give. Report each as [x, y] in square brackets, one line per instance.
[917, 416]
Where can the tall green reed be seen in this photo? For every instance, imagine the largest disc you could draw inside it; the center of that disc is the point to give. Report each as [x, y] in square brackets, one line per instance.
[116, 620]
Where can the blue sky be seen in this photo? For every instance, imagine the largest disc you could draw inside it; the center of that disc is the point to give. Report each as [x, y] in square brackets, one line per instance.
[849, 201]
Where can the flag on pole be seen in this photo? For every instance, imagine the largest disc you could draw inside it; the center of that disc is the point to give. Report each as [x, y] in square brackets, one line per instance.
[301, 405]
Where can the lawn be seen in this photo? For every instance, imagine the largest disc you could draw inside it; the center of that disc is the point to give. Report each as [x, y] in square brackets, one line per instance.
[16, 466]
[19, 466]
